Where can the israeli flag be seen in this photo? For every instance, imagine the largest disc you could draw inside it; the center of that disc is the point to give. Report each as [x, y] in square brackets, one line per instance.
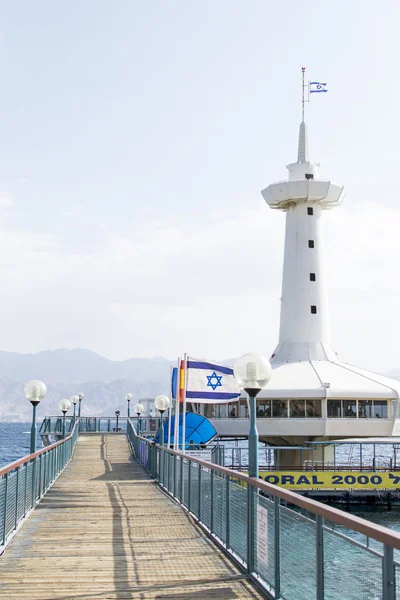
[208, 383]
[317, 87]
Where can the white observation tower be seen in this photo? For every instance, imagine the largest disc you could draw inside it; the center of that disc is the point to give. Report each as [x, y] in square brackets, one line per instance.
[304, 327]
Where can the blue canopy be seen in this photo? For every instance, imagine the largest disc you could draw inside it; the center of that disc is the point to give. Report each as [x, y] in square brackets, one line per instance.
[199, 430]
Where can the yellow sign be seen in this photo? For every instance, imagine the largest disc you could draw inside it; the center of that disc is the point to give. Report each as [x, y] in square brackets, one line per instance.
[303, 480]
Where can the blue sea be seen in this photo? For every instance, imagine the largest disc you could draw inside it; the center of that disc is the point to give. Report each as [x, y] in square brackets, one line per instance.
[15, 441]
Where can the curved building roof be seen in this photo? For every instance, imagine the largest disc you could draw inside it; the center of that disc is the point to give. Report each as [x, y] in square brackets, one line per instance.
[323, 378]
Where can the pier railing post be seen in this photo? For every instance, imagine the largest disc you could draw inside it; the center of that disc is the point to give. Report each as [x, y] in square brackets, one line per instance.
[149, 458]
[40, 476]
[199, 494]
[5, 507]
[388, 574]
[319, 538]
[155, 461]
[227, 513]
[277, 546]
[174, 474]
[189, 484]
[34, 469]
[251, 507]
[181, 481]
[44, 461]
[16, 499]
[212, 501]
[25, 486]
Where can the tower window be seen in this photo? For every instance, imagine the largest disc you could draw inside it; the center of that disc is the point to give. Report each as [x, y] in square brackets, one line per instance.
[313, 309]
[312, 276]
[310, 210]
[311, 243]
[309, 176]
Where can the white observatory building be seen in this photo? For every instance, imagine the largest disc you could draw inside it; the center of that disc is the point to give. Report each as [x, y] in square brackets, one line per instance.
[312, 395]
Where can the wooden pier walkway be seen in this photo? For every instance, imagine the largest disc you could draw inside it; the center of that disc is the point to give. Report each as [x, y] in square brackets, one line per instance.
[106, 531]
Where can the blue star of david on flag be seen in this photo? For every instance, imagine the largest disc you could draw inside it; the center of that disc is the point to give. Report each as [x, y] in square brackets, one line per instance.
[214, 381]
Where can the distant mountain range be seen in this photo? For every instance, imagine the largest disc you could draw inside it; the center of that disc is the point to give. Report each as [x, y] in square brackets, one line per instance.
[65, 372]
[76, 366]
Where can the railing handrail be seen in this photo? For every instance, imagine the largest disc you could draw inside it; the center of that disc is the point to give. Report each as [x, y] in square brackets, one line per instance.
[135, 417]
[29, 457]
[377, 532]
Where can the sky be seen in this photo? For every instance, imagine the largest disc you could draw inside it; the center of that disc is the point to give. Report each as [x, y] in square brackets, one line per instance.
[135, 138]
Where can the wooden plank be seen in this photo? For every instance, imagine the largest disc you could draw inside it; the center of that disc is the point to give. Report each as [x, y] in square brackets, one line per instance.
[105, 530]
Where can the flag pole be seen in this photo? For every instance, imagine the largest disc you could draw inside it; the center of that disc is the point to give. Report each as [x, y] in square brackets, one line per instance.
[170, 410]
[184, 403]
[303, 70]
[176, 427]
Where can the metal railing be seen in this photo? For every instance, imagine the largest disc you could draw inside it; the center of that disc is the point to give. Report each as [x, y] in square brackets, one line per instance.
[24, 482]
[148, 425]
[52, 425]
[293, 547]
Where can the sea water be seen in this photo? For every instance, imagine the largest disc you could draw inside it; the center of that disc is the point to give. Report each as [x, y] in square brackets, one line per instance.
[15, 439]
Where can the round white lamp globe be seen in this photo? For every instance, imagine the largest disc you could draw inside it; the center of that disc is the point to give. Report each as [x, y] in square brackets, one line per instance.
[252, 371]
[35, 391]
[162, 403]
[65, 405]
[138, 408]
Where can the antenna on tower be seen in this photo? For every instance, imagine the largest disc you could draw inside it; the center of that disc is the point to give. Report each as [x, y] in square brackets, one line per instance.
[303, 86]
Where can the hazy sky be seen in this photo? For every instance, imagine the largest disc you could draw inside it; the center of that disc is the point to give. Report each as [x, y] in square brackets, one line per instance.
[135, 137]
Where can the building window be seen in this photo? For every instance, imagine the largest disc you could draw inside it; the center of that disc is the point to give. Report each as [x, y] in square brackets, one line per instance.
[310, 210]
[361, 409]
[243, 409]
[221, 411]
[233, 410]
[297, 409]
[309, 176]
[380, 409]
[313, 409]
[365, 409]
[335, 409]
[279, 409]
[312, 276]
[313, 309]
[311, 243]
[264, 408]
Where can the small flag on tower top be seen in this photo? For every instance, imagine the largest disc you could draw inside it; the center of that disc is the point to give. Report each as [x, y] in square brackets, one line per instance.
[316, 87]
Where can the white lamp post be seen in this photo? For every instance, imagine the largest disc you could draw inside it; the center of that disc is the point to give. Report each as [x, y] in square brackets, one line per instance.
[75, 400]
[80, 396]
[138, 408]
[128, 398]
[252, 372]
[162, 403]
[34, 391]
[64, 405]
